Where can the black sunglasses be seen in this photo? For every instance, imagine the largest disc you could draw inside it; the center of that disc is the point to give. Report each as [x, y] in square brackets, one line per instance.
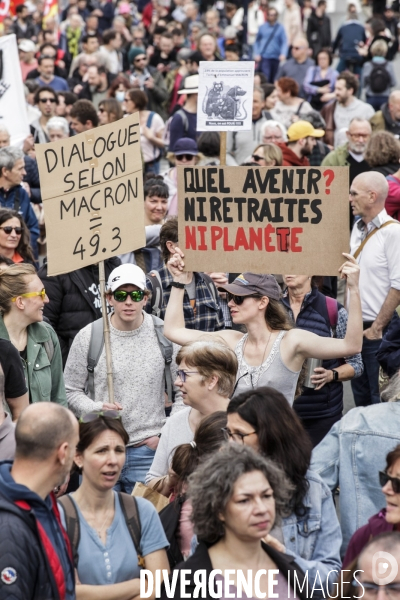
[44, 100]
[121, 295]
[96, 414]
[395, 481]
[184, 156]
[238, 300]
[8, 230]
[257, 158]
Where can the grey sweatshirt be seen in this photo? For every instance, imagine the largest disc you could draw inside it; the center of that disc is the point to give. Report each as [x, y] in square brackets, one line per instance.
[138, 372]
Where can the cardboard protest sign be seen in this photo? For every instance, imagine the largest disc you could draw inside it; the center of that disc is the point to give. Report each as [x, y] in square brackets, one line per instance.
[13, 113]
[92, 189]
[225, 96]
[266, 220]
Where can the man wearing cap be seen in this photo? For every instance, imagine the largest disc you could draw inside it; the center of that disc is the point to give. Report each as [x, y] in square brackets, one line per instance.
[301, 141]
[184, 122]
[149, 80]
[27, 58]
[138, 372]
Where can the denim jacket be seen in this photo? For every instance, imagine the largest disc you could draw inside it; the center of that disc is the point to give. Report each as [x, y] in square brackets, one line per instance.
[315, 538]
[351, 455]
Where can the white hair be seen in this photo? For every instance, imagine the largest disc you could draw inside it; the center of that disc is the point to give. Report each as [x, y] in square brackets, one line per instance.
[58, 123]
[270, 123]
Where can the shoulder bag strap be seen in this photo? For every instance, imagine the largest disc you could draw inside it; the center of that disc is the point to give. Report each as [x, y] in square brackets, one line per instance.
[167, 350]
[156, 293]
[269, 40]
[72, 524]
[131, 514]
[332, 308]
[369, 236]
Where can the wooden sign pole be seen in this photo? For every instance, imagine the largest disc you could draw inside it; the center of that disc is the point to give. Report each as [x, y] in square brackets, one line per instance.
[106, 326]
[222, 149]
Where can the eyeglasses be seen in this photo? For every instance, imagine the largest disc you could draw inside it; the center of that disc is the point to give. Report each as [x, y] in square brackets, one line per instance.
[238, 300]
[184, 156]
[182, 374]
[31, 295]
[297, 47]
[138, 39]
[368, 589]
[45, 100]
[362, 136]
[8, 230]
[96, 414]
[135, 295]
[256, 158]
[395, 481]
[236, 437]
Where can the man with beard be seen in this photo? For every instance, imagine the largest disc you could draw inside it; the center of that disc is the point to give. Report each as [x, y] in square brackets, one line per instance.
[96, 87]
[352, 153]
[35, 558]
[301, 141]
[388, 118]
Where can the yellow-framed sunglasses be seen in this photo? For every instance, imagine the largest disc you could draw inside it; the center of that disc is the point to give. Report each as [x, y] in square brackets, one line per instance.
[31, 295]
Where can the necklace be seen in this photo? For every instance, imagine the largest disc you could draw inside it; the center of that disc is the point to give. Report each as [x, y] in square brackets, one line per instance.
[100, 531]
[257, 370]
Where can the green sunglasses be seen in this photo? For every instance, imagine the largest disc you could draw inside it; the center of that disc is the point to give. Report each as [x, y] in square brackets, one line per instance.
[96, 414]
[121, 295]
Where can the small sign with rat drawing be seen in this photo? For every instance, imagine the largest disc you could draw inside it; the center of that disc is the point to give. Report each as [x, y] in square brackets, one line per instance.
[225, 96]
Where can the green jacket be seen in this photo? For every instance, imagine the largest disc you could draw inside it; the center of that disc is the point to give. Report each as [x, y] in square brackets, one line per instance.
[337, 158]
[45, 379]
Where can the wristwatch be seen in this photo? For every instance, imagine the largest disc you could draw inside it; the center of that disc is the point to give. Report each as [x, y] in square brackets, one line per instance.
[176, 284]
[335, 375]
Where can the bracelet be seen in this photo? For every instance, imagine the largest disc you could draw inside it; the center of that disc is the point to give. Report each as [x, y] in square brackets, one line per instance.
[178, 285]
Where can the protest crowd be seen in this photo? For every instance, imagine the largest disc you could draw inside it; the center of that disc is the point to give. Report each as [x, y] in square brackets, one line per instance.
[227, 443]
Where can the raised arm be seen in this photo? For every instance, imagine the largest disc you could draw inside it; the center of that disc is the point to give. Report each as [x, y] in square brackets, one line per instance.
[309, 345]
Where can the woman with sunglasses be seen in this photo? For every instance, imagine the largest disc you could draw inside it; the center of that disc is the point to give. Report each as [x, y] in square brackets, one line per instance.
[268, 155]
[107, 558]
[109, 111]
[22, 300]
[185, 153]
[311, 533]
[271, 352]
[15, 237]
[206, 377]
[388, 519]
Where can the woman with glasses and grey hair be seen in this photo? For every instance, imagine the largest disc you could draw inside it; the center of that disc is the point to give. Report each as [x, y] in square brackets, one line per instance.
[112, 535]
[263, 420]
[237, 496]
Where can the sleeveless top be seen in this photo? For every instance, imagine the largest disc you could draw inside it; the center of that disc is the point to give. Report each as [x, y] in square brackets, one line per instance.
[273, 372]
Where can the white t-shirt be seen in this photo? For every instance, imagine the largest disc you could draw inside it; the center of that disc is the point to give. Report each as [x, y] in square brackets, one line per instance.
[151, 152]
[379, 264]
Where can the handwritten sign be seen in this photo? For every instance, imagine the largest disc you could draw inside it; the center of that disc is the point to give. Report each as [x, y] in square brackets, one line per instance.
[264, 220]
[92, 189]
[225, 96]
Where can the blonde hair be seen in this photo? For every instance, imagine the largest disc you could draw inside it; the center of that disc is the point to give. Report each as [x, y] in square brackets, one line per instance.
[211, 358]
[379, 48]
[13, 283]
[271, 152]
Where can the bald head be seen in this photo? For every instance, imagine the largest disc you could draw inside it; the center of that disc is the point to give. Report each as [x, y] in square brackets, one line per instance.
[371, 181]
[42, 428]
[394, 105]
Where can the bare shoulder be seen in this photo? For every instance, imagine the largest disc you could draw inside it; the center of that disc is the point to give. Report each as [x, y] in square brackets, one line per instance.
[229, 336]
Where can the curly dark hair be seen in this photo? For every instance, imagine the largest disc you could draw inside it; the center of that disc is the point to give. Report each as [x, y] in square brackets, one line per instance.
[24, 248]
[382, 149]
[212, 484]
[281, 436]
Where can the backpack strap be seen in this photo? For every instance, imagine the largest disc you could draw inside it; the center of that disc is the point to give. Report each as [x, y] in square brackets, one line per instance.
[333, 311]
[72, 524]
[156, 301]
[167, 351]
[185, 120]
[49, 347]
[150, 119]
[93, 355]
[297, 113]
[211, 287]
[131, 514]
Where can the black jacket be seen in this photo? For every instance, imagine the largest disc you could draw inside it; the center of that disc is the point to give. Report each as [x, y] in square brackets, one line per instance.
[319, 33]
[32, 177]
[74, 300]
[200, 560]
[22, 554]
[169, 517]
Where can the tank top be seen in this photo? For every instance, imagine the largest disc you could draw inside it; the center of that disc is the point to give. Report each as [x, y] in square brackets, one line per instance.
[273, 372]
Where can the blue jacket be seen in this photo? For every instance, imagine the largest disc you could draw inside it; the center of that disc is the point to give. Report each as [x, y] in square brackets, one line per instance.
[32, 177]
[351, 455]
[315, 539]
[328, 401]
[276, 47]
[348, 38]
[7, 200]
[35, 578]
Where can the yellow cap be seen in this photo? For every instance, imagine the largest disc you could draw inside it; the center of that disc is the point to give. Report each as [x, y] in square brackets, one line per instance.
[303, 129]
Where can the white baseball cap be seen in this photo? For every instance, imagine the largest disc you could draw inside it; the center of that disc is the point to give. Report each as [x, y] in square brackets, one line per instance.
[127, 274]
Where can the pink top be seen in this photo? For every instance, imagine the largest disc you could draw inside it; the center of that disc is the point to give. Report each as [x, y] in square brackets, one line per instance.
[392, 203]
[185, 529]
